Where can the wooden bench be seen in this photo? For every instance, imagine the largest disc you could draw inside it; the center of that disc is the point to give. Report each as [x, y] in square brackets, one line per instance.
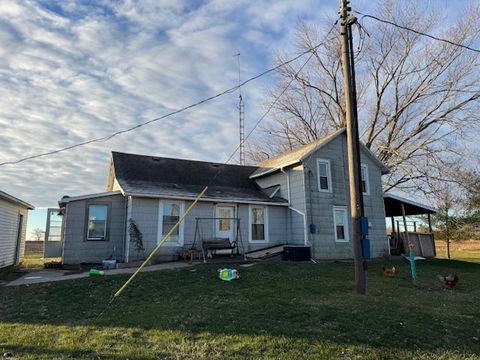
[216, 244]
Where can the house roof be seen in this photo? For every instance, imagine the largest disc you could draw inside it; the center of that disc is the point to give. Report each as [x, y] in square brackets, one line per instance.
[296, 155]
[150, 176]
[393, 206]
[13, 199]
[67, 199]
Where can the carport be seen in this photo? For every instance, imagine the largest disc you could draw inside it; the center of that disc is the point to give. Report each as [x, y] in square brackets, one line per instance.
[422, 242]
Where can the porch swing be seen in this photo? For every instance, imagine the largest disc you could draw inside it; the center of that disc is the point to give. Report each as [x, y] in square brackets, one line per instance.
[209, 245]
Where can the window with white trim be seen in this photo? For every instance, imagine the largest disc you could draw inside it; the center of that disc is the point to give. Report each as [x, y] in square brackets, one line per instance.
[258, 224]
[324, 175]
[365, 180]
[340, 220]
[170, 213]
[97, 222]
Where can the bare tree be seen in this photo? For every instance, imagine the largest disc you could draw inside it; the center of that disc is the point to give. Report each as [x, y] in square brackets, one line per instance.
[37, 234]
[418, 98]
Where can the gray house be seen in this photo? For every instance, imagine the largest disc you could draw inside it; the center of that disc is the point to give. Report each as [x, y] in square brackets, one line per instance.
[298, 198]
[13, 228]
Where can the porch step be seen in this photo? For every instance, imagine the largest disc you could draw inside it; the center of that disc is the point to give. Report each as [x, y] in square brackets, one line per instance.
[265, 253]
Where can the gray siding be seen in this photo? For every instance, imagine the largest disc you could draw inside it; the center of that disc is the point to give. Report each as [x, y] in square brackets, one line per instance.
[9, 217]
[297, 188]
[145, 212]
[297, 201]
[294, 227]
[320, 204]
[76, 248]
[277, 178]
[375, 210]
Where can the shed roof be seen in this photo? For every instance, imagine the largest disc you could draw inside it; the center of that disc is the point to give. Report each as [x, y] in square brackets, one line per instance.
[13, 199]
[142, 175]
[393, 206]
[67, 199]
[298, 154]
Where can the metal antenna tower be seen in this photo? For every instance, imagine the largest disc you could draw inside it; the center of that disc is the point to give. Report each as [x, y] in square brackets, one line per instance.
[241, 115]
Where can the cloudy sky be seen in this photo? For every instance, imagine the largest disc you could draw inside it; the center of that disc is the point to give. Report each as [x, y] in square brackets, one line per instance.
[71, 71]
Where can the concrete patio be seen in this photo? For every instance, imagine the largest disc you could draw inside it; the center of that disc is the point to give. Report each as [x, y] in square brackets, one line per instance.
[50, 275]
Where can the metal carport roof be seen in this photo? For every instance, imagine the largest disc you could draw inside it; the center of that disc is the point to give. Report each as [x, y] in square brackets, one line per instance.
[393, 206]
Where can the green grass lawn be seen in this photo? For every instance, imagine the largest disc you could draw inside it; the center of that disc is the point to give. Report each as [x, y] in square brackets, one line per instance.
[274, 311]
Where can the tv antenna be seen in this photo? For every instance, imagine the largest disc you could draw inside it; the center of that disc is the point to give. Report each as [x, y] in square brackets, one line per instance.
[241, 115]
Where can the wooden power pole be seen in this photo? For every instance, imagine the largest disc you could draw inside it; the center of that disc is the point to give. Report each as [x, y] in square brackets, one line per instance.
[353, 144]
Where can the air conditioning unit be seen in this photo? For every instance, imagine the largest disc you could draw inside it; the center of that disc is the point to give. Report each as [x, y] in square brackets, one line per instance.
[296, 253]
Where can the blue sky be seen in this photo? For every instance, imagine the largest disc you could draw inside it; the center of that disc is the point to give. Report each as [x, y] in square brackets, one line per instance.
[76, 70]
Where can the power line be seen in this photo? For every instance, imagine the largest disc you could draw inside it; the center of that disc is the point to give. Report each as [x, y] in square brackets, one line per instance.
[416, 31]
[212, 179]
[277, 98]
[108, 137]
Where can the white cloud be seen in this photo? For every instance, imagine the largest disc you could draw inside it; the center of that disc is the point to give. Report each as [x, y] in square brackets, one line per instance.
[73, 70]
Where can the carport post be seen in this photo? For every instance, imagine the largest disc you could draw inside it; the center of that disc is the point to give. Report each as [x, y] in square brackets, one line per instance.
[393, 225]
[402, 206]
[411, 253]
[431, 232]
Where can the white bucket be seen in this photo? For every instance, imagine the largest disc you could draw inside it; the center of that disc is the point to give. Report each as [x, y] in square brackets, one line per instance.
[109, 264]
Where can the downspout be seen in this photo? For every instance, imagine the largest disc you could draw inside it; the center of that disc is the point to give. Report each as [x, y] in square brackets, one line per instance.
[296, 210]
[64, 231]
[127, 233]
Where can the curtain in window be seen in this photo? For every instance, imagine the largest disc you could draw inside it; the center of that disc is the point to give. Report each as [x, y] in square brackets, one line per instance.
[340, 224]
[323, 175]
[258, 224]
[97, 222]
[171, 215]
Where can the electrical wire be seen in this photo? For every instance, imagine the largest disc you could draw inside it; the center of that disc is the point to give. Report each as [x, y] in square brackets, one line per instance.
[277, 98]
[212, 179]
[108, 137]
[415, 31]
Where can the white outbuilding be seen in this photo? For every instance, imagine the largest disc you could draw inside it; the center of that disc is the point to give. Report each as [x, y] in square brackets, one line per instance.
[13, 228]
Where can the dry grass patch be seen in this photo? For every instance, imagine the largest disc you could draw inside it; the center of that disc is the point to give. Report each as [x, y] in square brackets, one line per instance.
[468, 250]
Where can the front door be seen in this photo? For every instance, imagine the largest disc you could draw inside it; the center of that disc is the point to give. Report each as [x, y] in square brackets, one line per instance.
[18, 243]
[225, 222]
[53, 234]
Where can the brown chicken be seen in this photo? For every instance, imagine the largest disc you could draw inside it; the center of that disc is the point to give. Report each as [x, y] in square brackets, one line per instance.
[450, 281]
[389, 272]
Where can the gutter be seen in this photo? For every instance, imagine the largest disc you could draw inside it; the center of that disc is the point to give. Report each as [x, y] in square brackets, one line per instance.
[127, 233]
[205, 199]
[296, 210]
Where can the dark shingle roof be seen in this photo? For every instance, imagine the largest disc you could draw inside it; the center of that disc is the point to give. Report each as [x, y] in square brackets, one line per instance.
[159, 176]
[292, 156]
[296, 155]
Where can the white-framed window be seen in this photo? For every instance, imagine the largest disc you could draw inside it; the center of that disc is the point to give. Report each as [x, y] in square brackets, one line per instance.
[365, 180]
[258, 224]
[324, 175]
[169, 213]
[340, 221]
[97, 222]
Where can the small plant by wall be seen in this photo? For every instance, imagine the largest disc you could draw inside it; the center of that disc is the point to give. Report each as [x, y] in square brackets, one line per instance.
[136, 238]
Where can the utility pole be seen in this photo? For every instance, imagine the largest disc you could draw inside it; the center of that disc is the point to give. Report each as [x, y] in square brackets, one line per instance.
[353, 144]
